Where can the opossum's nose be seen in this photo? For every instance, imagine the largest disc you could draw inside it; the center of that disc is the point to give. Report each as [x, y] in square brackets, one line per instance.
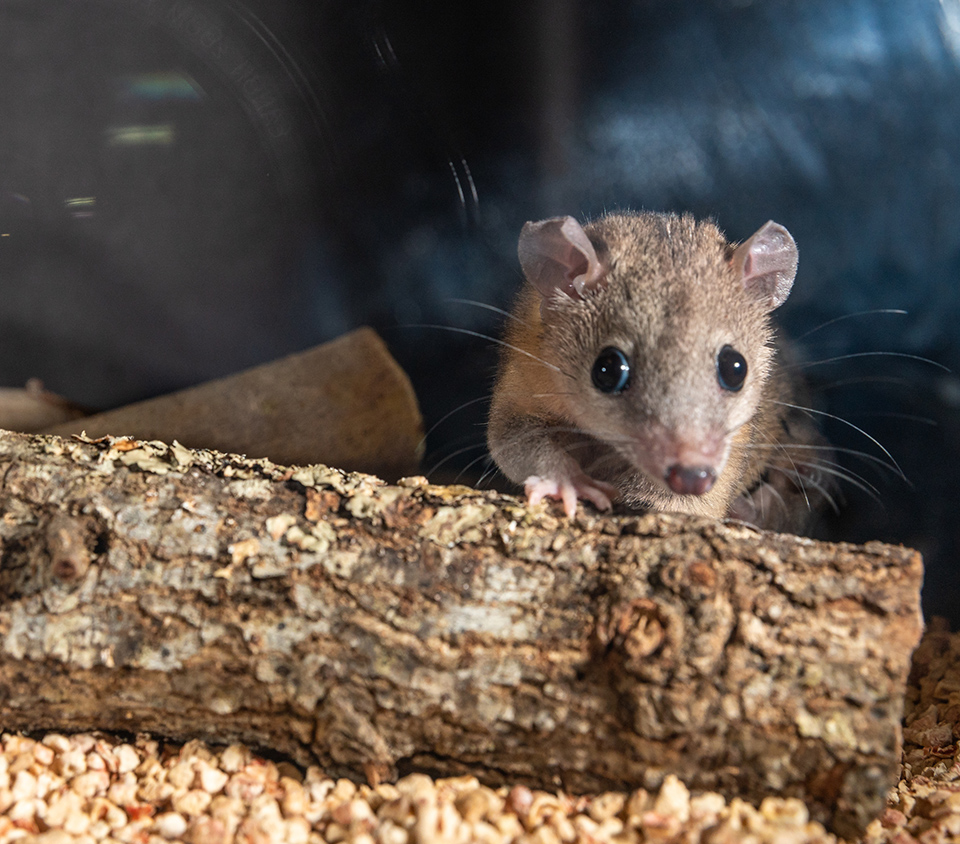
[690, 480]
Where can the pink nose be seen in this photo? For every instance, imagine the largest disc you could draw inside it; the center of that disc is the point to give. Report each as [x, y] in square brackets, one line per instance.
[690, 480]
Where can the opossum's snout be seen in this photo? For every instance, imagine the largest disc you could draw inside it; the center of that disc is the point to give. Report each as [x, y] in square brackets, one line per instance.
[690, 480]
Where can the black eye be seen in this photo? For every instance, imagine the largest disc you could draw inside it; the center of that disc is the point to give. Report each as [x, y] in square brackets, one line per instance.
[731, 369]
[611, 372]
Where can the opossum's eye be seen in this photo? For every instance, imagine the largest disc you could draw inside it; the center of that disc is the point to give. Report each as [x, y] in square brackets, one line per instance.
[611, 371]
[731, 369]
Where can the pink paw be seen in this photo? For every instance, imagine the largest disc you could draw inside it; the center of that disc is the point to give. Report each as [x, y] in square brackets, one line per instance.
[598, 493]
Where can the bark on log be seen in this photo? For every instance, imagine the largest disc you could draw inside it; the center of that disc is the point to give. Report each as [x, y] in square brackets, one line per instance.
[376, 628]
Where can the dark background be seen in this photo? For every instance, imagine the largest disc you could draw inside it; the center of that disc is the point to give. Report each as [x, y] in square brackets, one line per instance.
[190, 188]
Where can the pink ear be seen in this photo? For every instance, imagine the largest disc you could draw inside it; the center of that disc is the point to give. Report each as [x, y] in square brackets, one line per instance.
[556, 254]
[767, 264]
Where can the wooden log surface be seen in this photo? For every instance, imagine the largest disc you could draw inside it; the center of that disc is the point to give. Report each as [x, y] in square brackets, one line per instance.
[380, 629]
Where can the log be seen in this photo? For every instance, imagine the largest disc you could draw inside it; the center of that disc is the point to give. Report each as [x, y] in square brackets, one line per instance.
[379, 629]
[346, 402]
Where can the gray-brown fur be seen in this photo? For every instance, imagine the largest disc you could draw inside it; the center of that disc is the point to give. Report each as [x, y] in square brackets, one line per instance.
[670, 298]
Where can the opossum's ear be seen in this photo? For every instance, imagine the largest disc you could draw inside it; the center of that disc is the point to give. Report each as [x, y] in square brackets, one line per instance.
[767, 264]
[556, 255]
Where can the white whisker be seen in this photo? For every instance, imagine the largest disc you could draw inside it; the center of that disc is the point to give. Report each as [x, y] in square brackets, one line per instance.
[872, 312]
[835, 470]
[907, 417]
[471, 464]
[799, 477]
[776, 493]
[810, 410]
[853, 452]
[821, 488]
[446, 416]
[492, 469]
[496, 340]
[452, 455]
[603, 461]
[852, 355]
[864, 379]
[486, 307]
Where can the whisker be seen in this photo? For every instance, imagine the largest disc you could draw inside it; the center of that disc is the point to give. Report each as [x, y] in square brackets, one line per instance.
[473, 185]
[821, 488]
[551, 394]
[835, 498]
[457, 185]
[864, 379]
[908, 417]
[496, 340]
[503, 312]
[832, 467]
[762, 511]
[491, 470]
[778, 496]
[470, 465]
[842, 473]
[569, 447]
[824, 491]
[799, 477]
[853, 452]
[536, 431]
[810, 410]
[808, 364]
[446, 416]
[872, 312]
[387, 43]
[452, 455]
[603, 461]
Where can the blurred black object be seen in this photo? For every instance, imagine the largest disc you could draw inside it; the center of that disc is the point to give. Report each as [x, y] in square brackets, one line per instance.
[190, 187]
